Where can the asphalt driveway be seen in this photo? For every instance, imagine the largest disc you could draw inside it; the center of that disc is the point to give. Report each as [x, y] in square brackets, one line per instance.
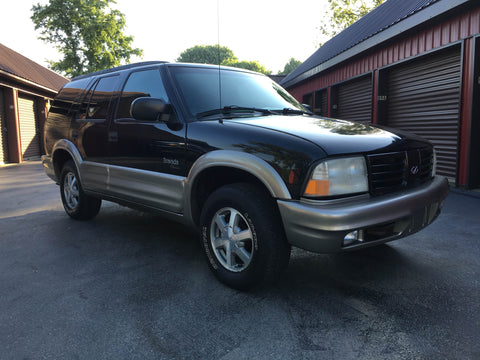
[129, 285]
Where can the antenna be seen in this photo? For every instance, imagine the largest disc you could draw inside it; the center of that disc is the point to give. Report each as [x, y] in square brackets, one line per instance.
[219, 58]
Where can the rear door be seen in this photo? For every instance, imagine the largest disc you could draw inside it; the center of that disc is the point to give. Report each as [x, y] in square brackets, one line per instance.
[90, 131]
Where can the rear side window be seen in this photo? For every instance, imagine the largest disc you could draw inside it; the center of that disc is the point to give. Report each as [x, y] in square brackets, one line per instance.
[101, 97]
[144, 83]
[69, 96]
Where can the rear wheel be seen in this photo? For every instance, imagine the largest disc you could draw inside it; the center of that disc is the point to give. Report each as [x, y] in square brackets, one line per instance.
[76, 203]
[243, 236]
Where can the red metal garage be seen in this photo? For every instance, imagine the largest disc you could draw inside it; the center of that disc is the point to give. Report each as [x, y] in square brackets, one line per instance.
[416, 65]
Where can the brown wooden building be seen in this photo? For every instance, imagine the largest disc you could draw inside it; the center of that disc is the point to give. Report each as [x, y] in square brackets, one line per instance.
[409, 64]
[25, 91]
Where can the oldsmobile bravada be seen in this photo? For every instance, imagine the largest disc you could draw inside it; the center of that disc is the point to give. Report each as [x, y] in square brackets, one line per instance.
[231, 154]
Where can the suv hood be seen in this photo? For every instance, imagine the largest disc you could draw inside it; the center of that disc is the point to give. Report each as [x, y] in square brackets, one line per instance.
[332, 135]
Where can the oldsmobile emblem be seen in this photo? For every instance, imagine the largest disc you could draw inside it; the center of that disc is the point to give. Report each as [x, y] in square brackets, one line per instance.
[414, 170]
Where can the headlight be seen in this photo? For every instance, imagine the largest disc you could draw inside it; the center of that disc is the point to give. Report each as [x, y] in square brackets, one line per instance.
[338, 177]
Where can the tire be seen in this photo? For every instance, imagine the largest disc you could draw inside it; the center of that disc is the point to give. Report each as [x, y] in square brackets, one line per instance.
[243, 237]
[76, 203]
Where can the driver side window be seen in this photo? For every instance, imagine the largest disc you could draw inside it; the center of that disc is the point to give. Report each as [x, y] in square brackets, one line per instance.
[144, 83]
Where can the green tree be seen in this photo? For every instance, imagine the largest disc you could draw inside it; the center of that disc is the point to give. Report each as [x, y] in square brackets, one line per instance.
[343, 13]
[88, 33]
[207, 54]
[249, 65]
[214, 54]
[291, 65]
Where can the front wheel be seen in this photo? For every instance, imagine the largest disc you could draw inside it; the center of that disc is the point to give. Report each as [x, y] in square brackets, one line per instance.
[76, 203]
[243, 236]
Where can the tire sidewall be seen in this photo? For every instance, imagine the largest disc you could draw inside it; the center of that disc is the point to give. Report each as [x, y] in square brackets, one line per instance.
[87, 207]
[69, 168]
[254, 272]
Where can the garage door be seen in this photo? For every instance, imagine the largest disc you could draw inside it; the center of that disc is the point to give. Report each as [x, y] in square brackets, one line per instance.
[354, 100]
[3, 131]
[424, 98]
[321, 102]
[28, 127]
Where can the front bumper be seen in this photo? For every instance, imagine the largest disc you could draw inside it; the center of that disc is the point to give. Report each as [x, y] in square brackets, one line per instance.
[321, 226]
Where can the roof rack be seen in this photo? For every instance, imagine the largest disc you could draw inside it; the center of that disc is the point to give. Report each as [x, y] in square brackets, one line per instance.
[118, 68]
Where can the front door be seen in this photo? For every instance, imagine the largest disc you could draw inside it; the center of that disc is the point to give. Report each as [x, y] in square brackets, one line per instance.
[148, 156]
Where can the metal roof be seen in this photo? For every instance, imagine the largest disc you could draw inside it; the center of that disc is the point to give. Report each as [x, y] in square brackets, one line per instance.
[17, 65]
[384, 22]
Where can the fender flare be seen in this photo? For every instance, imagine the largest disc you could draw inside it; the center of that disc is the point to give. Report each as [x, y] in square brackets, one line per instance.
[252, 164]
[70, 148]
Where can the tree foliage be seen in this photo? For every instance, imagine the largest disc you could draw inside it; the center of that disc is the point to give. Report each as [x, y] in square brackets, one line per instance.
[249, 65]
[343, 13]
[88, 33]
[207, 54]
[218, 55]
[291, 65]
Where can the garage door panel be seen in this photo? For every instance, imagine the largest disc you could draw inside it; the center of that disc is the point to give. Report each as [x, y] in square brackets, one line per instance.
[424, 98]
[30, 140]
[423, 66]
[441, 87]
[419, 107]
[422, 76]
[3, 132]
[321, 107]
[355, 100]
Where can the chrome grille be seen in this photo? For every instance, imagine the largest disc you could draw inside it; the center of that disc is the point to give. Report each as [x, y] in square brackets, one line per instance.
[390, 172]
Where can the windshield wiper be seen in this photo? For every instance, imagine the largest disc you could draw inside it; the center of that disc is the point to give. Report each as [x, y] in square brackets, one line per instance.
[233, 109]
[288, 111]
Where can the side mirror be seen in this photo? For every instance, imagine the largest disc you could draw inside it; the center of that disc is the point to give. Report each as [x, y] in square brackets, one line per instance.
[308, 107]
[150, 109]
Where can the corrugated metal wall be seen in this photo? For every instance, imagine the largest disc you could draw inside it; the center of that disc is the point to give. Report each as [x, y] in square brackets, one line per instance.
[30, 139]
[424, 98]
[455, 29]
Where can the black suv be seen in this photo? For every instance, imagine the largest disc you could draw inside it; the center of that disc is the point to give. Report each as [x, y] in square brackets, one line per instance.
[232, 154]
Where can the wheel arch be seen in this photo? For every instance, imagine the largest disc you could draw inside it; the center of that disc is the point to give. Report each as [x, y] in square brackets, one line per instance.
[63, 151]
[222, 167]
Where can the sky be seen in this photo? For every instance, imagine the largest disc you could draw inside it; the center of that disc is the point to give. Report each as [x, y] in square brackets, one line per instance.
[268, 31]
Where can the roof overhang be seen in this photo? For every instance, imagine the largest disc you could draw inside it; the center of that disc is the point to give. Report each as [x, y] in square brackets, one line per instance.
[26, 82]
[416, 19]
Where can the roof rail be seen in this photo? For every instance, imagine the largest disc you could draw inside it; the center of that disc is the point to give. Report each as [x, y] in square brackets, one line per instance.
[118, 68]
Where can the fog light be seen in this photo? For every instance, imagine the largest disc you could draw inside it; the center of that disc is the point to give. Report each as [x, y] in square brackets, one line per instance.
[353, 237]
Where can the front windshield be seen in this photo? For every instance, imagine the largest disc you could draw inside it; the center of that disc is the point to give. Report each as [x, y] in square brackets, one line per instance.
[200, 90]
